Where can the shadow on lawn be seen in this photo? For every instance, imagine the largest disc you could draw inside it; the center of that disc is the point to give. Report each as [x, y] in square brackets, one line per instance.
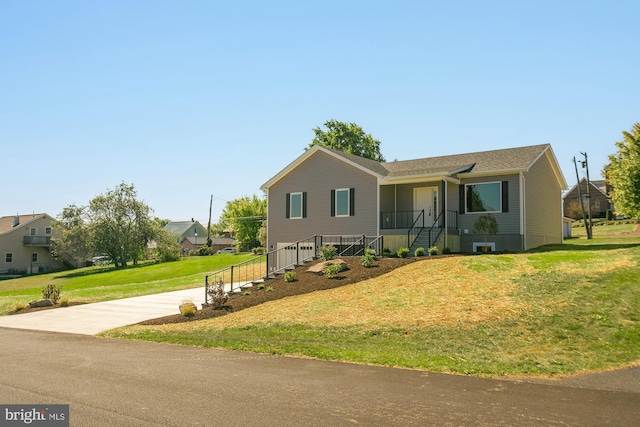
[583, 247]
[91, 272]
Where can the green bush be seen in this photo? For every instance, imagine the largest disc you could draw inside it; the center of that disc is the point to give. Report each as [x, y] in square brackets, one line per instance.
[403, 252]
[609, 214]
[261, 286]
[64, 302]
[269, 289]
[368, 258]
[258, 251]
[446, 250]
[51, 292]
[289, 276]
[418, 252]
[205, 250]
[386, 252]
[328, 252]
[332, 271]
[433, 250]
[246, 293]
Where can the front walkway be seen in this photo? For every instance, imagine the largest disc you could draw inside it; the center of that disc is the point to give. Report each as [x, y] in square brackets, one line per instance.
[90, 319]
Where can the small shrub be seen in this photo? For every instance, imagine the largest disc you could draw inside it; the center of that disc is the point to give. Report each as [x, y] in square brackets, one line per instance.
[188, 311]
[433, 250]
[368, 258]
[258, 251]
[205, 250]
[19, 307]
[261, 286]
[246, 293]
[51, 292]
[269, 289]
[64, 302]
[418, 252]
[217, 294]
[609, 214]
[290, 276]
[403, 252]
[332, 271]
[446, 250]
[328, 252]
[386, 252]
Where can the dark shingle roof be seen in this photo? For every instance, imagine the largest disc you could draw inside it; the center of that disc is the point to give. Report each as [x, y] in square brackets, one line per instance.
[498, 161]
[372, 165]
[484, 161]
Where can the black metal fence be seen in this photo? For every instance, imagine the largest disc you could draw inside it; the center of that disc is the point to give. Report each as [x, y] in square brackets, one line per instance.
[236, 277]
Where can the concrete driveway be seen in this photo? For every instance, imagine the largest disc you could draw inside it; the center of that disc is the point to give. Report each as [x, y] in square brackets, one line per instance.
[90, 319]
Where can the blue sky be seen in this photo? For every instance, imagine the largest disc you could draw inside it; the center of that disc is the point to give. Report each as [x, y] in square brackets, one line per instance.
[193, 98]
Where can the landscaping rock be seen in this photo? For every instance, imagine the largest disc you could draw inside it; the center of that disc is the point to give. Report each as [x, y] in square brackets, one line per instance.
[41, 303]
[317, 268]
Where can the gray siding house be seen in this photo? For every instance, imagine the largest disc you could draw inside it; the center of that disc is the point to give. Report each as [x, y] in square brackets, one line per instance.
[421, 202]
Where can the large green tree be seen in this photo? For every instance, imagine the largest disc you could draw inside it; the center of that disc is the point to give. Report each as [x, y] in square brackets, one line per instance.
[244, 217]
[72, 239]
[347, 137]
[120, 225]
[623, 174]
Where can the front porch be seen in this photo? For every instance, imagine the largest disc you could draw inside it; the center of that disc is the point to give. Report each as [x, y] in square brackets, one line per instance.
[416, 228]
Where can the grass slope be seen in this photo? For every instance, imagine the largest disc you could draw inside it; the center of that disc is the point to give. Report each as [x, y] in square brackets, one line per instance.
[94, 284]
[560, 309]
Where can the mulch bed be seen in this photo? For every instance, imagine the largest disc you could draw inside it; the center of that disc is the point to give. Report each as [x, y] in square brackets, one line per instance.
[28, 309]
[305, 282]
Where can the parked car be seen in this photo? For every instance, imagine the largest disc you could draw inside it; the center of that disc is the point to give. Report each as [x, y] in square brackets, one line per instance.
[101, 260]
[227, 251]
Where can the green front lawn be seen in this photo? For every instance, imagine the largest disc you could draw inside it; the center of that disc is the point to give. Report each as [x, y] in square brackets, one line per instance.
[560, 309]
[102, 283]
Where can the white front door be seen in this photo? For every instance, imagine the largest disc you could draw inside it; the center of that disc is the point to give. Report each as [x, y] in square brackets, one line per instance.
[426, 198]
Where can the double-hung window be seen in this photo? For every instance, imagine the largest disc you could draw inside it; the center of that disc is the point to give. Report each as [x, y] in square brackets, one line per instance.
[296, 205]
[8, 257]
[343, 202]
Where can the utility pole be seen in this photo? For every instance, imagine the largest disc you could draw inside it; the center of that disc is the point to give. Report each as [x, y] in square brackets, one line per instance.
[585, 165]
[586, 224]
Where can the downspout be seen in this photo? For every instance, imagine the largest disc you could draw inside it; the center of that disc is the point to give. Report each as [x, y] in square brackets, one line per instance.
[446, 217]
[378, 215]
[523, 206]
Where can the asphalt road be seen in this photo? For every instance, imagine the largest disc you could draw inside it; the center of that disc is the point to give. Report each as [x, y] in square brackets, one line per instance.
[125, 383]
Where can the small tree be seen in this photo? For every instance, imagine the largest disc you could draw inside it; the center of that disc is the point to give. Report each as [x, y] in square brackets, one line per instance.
[486, 225]
[217, 294]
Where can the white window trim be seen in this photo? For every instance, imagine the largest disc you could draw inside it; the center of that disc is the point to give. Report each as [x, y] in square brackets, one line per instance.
[291, 205]
[466, 208]
[348, 202]
[5, 257]
[476, 245]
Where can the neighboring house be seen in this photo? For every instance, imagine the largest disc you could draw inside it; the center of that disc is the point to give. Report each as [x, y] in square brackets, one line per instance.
[25, 244]
[430, 201]
[600, 202]
[192, 235]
